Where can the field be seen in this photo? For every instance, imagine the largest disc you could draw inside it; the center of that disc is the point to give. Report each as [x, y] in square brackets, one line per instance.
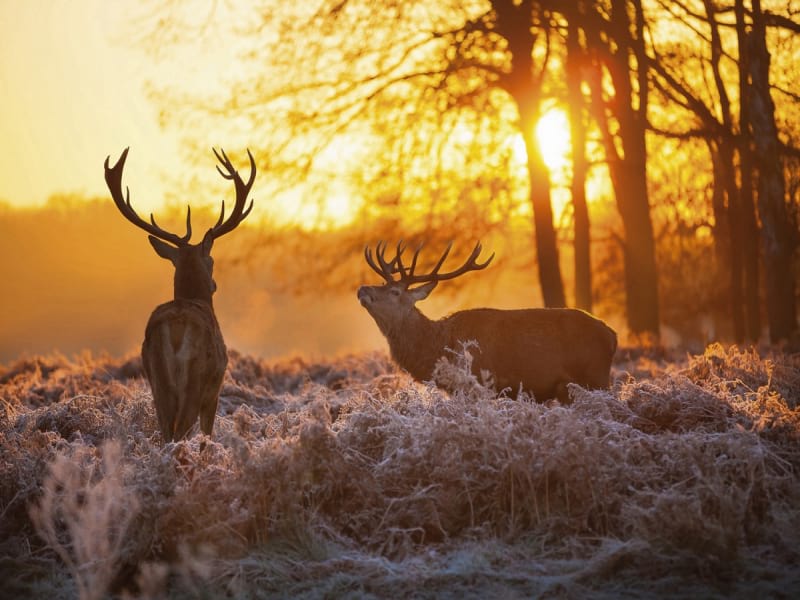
[346, 479]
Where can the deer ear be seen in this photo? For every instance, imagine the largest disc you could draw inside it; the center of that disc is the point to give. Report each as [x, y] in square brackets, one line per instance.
[421, 292]
[208, 242]
[163, 249]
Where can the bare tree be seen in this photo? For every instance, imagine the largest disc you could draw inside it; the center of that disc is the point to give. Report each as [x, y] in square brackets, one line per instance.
[418, 78]
[615, 36]
[713, 118]
[575, 62]
[749, 225]
[432, 92]
[738, 160]
[777, 238]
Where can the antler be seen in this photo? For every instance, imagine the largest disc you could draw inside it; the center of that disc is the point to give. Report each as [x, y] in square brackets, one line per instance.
[114, 182]
[242, 190]
[388, 269]
[385, 270]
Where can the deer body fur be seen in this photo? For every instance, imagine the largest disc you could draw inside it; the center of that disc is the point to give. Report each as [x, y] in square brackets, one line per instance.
[184, 359]
[537, 349]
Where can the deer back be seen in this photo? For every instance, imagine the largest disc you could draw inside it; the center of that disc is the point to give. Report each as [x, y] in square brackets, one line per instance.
[184, 358]
[538, 349]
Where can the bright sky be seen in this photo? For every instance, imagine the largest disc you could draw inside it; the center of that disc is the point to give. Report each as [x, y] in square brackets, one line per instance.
[72, 93]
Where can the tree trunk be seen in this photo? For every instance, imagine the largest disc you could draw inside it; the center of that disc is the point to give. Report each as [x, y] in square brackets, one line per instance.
[524, 86]
[580, 167]
[748, 234]
[641, 282]
[727, 215]
[545, 233]
[727, 198]
[776, 235]
[641, 276]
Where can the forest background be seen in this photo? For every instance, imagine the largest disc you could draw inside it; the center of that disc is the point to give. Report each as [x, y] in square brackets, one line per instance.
[635, 158]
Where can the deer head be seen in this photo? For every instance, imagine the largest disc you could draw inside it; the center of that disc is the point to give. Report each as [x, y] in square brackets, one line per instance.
[193, 263]
[394, 300]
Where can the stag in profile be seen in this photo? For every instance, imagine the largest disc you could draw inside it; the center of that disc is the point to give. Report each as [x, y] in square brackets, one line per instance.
[540, 350]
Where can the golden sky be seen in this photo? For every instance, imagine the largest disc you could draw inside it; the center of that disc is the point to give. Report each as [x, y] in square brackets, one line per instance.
[72, 93]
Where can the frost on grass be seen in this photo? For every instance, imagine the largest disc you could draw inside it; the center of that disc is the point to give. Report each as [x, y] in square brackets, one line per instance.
[85, 512]
[347, 478]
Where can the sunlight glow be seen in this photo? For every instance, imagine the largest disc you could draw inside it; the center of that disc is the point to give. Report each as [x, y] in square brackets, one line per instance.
[552, 135]
[337, 208]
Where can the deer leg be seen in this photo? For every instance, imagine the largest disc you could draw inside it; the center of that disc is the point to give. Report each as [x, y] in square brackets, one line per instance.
[207, 415]
[188, 384]
[160, 374]
[562, 393]
[208, 407]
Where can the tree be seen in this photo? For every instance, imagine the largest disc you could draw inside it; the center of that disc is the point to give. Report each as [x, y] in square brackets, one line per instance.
[433, 93]
[519, 24]
[618, 44]
[777, 239]
[418, 77]
[575, 62]
[714, 120]
[736, 157]
[749, 226]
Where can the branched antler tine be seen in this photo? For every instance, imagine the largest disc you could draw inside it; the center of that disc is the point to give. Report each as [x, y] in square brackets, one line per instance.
[221, 215]
[252, 177]
[384, 269]
[380, 253]
[188, 235]
[225, 162]
[414, 259]
[113, 177]
[370, 262]
[248, 186]
[435, 271]
[239, 213]
[485, 263]
[471, 264]
[398, 261]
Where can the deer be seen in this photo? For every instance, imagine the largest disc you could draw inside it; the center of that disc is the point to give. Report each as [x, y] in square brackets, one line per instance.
[538, 350]
[183, 354]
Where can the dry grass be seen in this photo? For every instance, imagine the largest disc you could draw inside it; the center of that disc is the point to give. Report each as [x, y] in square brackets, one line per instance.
[347, 479]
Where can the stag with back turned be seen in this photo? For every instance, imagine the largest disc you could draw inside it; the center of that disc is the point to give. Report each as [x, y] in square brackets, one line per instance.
[539, 350]
[183, 353]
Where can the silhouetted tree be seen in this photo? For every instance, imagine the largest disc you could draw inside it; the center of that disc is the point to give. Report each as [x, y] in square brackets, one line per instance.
[777, 238]
[615, 35]
[737, 159]
[575, 62]
[749, 226]
[434, 91]
[519, 24]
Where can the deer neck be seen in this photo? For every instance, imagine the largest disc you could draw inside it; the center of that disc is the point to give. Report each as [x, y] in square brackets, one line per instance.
[416, 343]
[192, 282]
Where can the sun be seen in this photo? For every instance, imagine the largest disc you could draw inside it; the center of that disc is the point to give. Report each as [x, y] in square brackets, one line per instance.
[552, 136]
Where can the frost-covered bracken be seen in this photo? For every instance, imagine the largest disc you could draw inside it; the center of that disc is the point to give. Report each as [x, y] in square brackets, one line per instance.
[347, 478]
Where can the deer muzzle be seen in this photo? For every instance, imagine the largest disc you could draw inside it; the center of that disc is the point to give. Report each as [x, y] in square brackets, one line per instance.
[364, 295]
